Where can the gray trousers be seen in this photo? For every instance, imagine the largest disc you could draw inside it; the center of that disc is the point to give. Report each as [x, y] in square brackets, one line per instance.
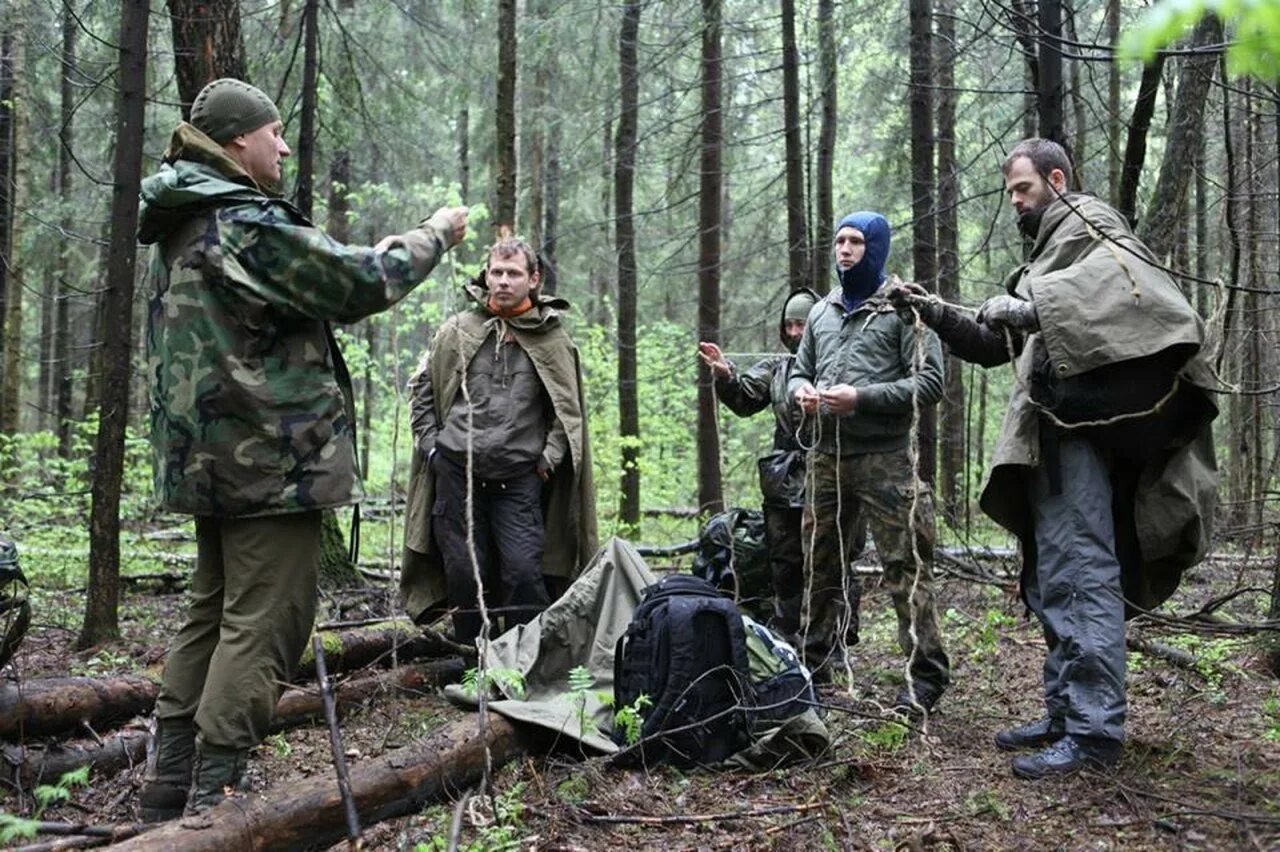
[1075, 592]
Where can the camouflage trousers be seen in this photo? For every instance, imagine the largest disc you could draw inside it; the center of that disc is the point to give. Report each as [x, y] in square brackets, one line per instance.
[253, 600]
[874, 489]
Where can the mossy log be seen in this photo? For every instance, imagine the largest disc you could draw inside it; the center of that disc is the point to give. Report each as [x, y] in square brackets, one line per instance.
[308, 814]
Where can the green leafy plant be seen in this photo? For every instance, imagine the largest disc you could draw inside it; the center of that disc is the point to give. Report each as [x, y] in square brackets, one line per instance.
[630, 719]
[510, 679]
[13, 827]
[1271, 715]
[1255, 47]
[581, 682]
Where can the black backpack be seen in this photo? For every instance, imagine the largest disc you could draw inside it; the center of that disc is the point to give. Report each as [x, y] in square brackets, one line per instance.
[686, 649]
[733, 555]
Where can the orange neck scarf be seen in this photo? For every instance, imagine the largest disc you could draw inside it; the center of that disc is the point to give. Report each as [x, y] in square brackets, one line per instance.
[519, 309]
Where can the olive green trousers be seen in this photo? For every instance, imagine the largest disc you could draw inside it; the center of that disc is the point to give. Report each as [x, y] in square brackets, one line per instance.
[253, 602]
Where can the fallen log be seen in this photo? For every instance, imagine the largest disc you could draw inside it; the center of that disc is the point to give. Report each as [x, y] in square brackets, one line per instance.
[348, 650]
[58, 705]
[299, 706]
[309, 813]
[27, 766]
[63, 705]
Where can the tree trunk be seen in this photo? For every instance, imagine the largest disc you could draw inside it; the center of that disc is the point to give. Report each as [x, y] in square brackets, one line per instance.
[1186, 129]
[309, 813]
[1051, 93]
[67, 253]
[551, 214]
[464, 152]
[951, 449]
[824, 207]
[206, 45]
[101, 601]
[710, 187]
[1114, 124]
[924, 258]
[1135, 149]
[20, 169]
[304, 197]
[797, 236]
[624, 191]
[504, 219]
[1080, 130]
[6, 164]
[1024, 28]
[1202, 223]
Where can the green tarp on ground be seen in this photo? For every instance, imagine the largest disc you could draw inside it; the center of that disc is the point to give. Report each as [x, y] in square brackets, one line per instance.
[581, 629]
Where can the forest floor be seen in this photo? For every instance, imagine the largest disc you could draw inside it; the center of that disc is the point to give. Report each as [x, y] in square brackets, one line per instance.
[1201, 767]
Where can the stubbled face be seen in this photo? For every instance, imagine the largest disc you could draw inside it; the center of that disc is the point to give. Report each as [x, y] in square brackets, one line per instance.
[850, 246]
[261, 152]
[1027, 190]
[509, 279]
[793, 330]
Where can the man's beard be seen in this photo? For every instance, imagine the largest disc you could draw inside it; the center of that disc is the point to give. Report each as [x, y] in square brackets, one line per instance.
[1029, 222]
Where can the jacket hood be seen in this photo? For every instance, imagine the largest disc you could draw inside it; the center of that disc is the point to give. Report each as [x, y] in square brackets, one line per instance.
[544, 316]
[861, 280]
[195, 175]
[799, 293]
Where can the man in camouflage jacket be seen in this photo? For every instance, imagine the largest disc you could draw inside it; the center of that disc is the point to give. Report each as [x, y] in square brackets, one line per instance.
[251, 419]
[856, 370]
[782, 470]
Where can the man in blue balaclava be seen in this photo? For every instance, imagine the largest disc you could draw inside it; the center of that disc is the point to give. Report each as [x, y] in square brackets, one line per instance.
[855, 378]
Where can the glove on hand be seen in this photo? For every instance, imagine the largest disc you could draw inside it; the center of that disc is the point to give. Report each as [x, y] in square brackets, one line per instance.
[1009, 312]
[905, 297]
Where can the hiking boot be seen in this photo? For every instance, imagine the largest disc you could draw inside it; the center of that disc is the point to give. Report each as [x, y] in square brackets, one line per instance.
[168, 777]
[216, 771]
[1037, 734]
[925, 698]
[1068, 756]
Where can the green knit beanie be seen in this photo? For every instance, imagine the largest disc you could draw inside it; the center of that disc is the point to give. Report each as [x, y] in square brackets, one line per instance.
[227, 108]
[798, 306]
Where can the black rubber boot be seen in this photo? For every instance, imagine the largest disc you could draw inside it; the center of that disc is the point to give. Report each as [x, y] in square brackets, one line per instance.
[1068, 756]
[1037, 734]
[168, 778]
[217, 771]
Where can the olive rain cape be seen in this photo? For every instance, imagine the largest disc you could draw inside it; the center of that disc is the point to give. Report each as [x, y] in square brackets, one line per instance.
[1102, 300]
[570, 512]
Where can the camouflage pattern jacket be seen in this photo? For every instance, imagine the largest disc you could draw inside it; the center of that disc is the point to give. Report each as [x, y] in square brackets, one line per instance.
[251, 409]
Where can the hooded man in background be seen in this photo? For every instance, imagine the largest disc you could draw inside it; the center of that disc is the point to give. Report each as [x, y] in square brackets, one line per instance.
[781, 471]
[498, 398]
[251, 420]
[1104, 468]
[857, 380]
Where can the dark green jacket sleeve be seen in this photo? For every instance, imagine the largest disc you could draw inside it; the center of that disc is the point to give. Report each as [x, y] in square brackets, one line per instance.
[747, 393]
[895, 397]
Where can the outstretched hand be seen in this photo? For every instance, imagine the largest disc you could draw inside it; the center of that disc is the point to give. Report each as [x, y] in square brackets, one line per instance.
[710, 354]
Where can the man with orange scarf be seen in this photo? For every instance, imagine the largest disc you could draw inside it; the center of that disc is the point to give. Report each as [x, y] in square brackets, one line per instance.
[498, 400]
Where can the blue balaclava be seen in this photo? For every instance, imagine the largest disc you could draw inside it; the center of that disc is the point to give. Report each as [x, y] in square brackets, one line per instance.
[862, 279]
